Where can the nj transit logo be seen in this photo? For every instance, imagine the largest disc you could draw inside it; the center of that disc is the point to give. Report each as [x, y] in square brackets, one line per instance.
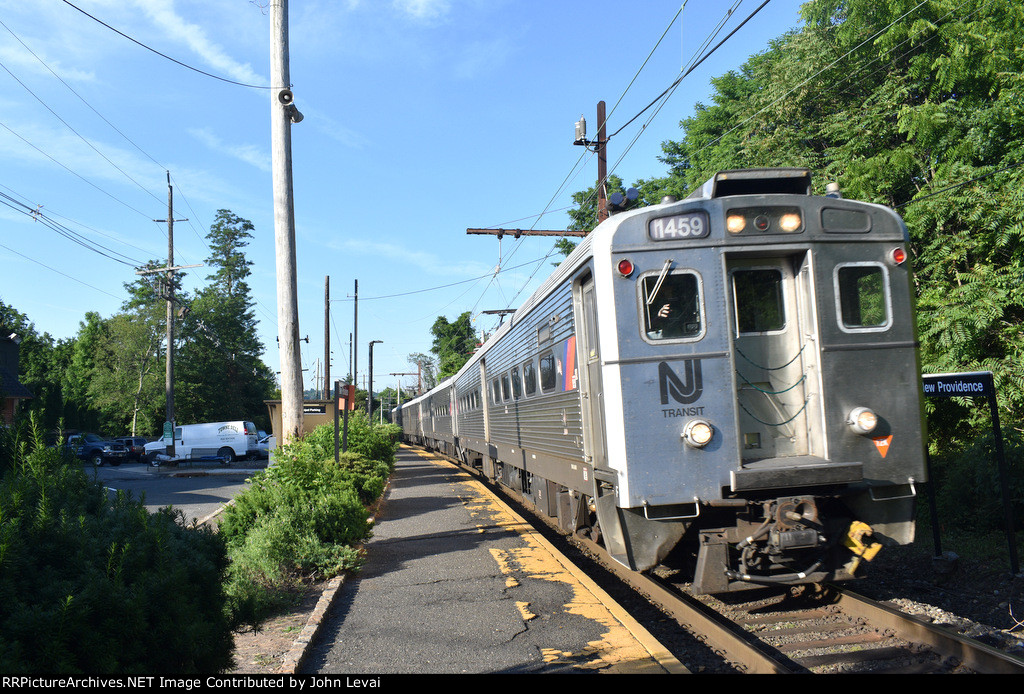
[682, 391]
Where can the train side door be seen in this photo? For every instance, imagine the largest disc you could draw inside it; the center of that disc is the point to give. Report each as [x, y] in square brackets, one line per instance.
[589, 363]
[775, 348]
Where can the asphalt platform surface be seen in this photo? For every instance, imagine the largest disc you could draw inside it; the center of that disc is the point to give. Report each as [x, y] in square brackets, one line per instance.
[456, 583]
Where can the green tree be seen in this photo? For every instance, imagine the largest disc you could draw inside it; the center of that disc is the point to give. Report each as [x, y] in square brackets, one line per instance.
[219, 374]
[454, 343]
[916, 106]
[127, 378]
[426, 366]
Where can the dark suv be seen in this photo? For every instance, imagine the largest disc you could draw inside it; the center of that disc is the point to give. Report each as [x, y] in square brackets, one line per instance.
[136, 446]
[97, 450]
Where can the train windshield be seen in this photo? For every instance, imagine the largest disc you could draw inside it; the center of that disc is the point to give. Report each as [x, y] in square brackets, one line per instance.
[671, 306]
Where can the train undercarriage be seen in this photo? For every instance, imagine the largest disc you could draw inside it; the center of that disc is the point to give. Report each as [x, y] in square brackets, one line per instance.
[726, 545]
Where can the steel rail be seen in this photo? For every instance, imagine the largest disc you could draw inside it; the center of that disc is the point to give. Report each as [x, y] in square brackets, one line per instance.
[972, 653]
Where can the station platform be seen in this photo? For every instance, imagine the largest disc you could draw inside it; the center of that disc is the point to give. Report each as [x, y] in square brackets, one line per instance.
[456, 582]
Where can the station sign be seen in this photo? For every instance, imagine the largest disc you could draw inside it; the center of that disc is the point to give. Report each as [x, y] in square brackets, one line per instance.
[980, 384]
[975, 384]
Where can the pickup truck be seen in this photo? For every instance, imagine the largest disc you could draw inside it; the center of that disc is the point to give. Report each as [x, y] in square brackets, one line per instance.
[97, 450]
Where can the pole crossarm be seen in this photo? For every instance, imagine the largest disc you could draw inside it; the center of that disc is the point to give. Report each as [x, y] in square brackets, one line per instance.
[526, 232]
[166, 269]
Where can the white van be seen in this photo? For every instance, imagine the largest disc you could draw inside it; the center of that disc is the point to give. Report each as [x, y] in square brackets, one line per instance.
[225, 441]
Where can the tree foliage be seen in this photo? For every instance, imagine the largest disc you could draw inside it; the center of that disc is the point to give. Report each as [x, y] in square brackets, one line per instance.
[110, 377]
[220, 375]
[454, 343]
[912, 105]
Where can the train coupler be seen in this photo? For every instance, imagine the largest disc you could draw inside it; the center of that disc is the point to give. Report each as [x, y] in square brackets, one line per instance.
[862, 549]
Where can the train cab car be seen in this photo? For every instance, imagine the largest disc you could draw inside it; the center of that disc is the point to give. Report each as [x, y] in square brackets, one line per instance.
[765, 368]
[734, 376]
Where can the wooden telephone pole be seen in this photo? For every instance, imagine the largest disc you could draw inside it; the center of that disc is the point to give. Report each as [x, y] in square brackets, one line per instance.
[169, 296]
[600, 146]
[282, 114]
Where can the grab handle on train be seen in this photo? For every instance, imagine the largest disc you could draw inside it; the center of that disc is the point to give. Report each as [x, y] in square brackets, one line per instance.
[910, 483]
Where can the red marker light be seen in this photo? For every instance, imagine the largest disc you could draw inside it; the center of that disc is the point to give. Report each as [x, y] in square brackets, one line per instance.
[625, 268]
[899, 256]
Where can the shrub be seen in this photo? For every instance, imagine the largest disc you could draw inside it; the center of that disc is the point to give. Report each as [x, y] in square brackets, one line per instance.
[302, 517]
[377, 442]
[97, 585]
[968, 485]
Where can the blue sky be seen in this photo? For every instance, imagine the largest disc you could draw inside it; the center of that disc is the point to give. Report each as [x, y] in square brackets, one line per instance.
[422, 118]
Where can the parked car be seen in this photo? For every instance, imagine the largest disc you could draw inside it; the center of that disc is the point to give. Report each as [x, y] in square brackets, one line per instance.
[264, 444]
[97, 450]
[136, 446]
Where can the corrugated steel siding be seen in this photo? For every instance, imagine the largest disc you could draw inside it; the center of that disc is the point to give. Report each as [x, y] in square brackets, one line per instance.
[544, 423]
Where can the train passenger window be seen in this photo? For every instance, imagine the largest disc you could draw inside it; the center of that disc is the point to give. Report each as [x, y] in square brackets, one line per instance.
[529, 378]
[495, 392]
[504, 387]
[758, 296]
[863, 297]
[517, 384]
[547, 372]
[671, 306]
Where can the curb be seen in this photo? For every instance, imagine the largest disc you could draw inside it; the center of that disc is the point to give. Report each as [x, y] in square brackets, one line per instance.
[300, 648]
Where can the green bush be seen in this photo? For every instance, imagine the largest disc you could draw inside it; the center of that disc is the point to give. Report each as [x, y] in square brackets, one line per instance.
[968, 486]
[90, 584]
[303, 517]
[377, 442]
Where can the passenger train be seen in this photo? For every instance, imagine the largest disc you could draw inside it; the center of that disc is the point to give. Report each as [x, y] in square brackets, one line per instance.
[733, 376]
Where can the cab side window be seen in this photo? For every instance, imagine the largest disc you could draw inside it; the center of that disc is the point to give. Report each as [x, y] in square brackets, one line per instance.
[671, 306]
[862, 295]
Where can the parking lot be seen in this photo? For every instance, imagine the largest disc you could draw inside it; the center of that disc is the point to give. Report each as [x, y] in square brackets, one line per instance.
[199, 490]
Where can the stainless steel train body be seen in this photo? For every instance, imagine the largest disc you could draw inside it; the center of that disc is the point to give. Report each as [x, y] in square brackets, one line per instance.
[735, 373]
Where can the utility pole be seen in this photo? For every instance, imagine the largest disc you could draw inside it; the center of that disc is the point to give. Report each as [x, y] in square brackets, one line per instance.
[169, 371]
[369, 390]
[282, 114]
[601, 149]
[169, 296]
[400, 383]
[602, 165]
[327, 338]
[355, 344]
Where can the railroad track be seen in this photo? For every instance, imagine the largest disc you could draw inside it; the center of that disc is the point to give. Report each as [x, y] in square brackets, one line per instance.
[813, 629]
[820, 630]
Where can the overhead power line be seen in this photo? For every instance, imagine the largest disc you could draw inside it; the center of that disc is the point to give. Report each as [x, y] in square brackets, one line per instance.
[164, 55]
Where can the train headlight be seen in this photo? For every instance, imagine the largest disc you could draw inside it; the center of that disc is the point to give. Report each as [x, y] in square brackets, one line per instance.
[862, 420]
[735, 223]
[697, 433]
[790, 222]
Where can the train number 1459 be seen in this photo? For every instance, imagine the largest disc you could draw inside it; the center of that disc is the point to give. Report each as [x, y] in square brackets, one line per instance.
[690, 225]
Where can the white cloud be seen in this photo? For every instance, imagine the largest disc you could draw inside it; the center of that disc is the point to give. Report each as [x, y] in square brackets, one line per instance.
[428, 263]
[250, 154]
[162, 13]
[423, 9]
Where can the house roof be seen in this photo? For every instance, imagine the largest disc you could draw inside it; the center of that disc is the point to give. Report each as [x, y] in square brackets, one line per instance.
[10, 386]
